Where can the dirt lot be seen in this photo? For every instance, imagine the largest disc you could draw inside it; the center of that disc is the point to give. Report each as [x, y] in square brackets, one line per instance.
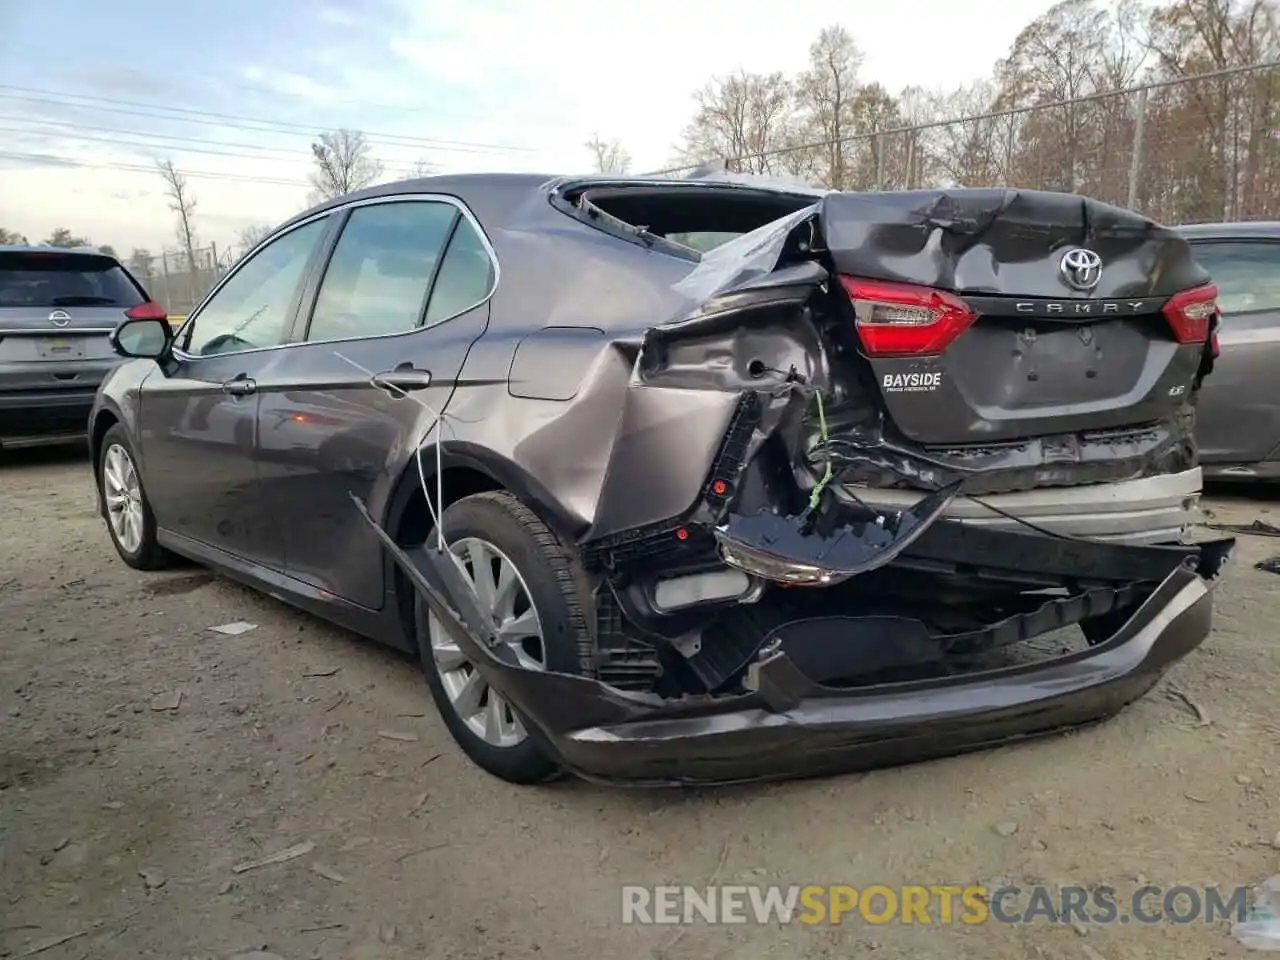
[120, 823]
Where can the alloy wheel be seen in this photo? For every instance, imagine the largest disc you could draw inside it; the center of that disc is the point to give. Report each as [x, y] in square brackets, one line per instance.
[504, 597]
[122, 491]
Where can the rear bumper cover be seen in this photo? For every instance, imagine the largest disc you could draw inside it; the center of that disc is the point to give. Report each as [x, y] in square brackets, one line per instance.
[786, 725]
[26, 414]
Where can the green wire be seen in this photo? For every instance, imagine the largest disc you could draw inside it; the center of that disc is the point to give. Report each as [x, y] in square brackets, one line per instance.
[826, 477]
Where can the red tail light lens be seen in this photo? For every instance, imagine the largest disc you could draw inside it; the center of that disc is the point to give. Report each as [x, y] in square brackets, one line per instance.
[901, 320]
[1191, 313]
[147, 311]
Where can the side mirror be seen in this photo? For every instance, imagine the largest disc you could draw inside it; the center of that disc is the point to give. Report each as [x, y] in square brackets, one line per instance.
[147, 338]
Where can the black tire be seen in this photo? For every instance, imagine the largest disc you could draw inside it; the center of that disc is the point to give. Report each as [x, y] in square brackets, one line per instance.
[149, 555]
[555, 584]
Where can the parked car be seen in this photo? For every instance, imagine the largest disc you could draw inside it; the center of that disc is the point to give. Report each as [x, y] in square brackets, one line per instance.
[1238, 417]
[775, 507]
[57, 309]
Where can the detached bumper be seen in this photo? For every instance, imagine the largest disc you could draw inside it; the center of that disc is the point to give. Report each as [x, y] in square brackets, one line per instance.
[790, 726]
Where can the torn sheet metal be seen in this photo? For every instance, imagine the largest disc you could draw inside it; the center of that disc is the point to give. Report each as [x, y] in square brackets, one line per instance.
[742, 260]
[825, 548]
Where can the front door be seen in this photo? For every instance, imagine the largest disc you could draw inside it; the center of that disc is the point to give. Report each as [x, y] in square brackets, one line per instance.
[199, 416]
[1236, 414]
[402, 299]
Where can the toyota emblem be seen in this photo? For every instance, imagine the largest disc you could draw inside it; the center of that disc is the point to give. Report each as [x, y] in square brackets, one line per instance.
[59, 318]
[1081, 268]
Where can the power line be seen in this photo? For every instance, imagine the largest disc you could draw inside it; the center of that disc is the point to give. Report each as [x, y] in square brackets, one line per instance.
[56, 161]
[188, 115]
[991, 115]
[281, 154]
[295, 158]
[71, 124]
[401, 170]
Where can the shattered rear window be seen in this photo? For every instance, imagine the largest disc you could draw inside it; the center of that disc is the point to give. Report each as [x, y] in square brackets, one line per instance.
[703, 242]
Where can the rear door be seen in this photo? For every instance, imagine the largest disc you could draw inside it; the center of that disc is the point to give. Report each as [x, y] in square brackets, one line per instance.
[989, 316]
[404, 295]
[57, 308]
[1238, 416]
[199, 416]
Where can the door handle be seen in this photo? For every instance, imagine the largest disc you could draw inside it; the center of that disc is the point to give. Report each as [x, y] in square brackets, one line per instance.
[240, 386]
[404, 377]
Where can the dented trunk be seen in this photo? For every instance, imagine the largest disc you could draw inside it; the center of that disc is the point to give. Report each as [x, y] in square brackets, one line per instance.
[993, 315]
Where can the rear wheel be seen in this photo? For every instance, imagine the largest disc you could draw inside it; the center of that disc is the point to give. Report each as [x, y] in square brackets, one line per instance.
[530, 585]
[128, 513]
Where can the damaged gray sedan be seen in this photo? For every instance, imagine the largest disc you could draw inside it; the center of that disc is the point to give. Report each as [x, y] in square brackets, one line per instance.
[696, 480]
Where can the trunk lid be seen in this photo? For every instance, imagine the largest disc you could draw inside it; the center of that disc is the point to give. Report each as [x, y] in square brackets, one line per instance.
[990, 315]
[59, 306]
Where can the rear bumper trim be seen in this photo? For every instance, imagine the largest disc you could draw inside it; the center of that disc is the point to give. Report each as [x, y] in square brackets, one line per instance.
[1146, 510]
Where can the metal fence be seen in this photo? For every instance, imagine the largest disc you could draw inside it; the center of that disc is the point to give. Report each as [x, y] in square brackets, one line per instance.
[1180, 151]
[180, 281]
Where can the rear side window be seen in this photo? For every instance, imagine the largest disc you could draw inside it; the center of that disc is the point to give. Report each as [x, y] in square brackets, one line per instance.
[465, 278]
[381, 270]
[46, 281]
[1247, 273]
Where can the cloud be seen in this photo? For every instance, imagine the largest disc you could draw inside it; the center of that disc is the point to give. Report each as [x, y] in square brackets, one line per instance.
[521, 73]
[292, 84]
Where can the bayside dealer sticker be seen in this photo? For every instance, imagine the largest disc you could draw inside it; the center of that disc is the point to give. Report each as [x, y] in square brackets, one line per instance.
[911, 382]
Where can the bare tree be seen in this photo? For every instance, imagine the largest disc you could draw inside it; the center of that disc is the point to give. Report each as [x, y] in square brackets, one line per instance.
[1058, 113]
[11, 236]
[343, 163]
[741, 118]
[62, 237]
[182, 202]
[826, 91]
[142, 264]
[608, 157]
[1058, 56]
[1231, 120]
[421, 168]
[250, 236]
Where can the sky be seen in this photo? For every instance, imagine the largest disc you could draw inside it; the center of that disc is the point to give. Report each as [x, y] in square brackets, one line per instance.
[92, 94]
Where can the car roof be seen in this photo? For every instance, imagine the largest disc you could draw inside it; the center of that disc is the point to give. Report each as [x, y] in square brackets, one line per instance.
[1235, 230]
[46, 248]
[471, 185]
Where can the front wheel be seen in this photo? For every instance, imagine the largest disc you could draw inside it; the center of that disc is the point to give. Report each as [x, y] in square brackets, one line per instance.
[530, 584]
[125, 506]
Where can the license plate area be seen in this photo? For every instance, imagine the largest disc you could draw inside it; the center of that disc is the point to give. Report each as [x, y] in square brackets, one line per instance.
[60, 348]
[1023, 367]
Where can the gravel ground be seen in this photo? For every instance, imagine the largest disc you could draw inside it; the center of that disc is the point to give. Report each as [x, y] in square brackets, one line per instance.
[144, 757]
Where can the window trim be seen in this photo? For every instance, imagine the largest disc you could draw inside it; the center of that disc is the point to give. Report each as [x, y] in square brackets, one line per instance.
[296, 302]
[325, 248]
[465, 213]
[1236, 241]
[304, 325]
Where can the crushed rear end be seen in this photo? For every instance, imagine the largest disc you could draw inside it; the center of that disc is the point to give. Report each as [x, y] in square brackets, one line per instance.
[758, 613]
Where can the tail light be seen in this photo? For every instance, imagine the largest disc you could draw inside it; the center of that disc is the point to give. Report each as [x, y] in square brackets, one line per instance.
[1191, 314]
[901, 320]
[147, 311]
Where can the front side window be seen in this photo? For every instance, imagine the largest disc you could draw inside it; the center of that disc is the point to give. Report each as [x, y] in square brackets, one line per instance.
[1247, 273]
[381, 271]
[254, 308]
